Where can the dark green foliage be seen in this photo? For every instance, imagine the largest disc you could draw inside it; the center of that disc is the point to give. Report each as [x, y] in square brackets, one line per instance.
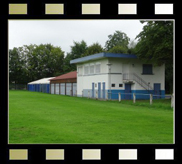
[17, 66]
[77, 50]
[156, 44]
[33, 62]
[118, 49]
[93, 49]
[117, 39]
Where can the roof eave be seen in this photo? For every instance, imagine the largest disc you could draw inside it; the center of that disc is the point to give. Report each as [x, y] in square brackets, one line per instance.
[87, 58]
[102, 55]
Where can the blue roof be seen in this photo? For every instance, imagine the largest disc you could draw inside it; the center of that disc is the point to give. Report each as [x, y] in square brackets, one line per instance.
[102, 55]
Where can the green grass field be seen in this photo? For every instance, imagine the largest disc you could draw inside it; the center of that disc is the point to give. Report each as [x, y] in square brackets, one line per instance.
[44, 118]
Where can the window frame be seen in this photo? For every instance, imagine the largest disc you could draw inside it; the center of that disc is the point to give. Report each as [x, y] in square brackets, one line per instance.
[147, 69]
[97, 64]
[113, 85]
[80, 70]
[92, 65]
[121, 85]
[86, 66]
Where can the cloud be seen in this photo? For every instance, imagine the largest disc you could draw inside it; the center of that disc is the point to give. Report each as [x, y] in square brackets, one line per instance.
[62, 33]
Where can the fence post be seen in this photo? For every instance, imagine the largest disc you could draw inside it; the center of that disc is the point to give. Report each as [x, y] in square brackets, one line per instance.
[172, 100]
[134, 98]
[106, 96]
[82, 93]
[119, 96]
[76, 93]
[96, 96]
[151, 97]
[70, 92]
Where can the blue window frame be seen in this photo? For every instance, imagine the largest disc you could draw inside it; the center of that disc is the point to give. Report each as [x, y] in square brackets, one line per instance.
[147, 69]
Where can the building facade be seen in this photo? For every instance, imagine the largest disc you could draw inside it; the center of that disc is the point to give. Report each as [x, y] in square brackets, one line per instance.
[41, 85]
[65, 84]
[104, 75]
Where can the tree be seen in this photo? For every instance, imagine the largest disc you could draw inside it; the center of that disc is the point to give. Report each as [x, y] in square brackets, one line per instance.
[118, 49]
[17, 66]
[93, 49]
[77, 50]
[45, 61]
[54, 60]
[131, 47]
[117, 39]
[32, 62]
[155, 43]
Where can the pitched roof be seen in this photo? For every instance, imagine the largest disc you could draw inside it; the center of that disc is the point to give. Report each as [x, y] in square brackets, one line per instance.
[102, 55]
[41, 81]
[70, 75]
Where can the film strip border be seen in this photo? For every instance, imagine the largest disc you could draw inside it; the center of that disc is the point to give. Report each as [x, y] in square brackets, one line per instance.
[90, 9]
[90, 154]
[78, 153]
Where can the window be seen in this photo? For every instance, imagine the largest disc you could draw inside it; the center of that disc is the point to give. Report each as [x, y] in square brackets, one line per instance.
[79, 70]
[112, 85]
[97, 68]
[120, 85]
[147, 69]
[86, 70]
[91, 69]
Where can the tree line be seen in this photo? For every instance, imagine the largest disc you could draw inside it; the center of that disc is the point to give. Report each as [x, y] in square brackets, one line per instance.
[154, 42]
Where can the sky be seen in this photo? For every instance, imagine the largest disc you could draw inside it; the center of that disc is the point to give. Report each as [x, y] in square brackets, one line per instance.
[62, 33]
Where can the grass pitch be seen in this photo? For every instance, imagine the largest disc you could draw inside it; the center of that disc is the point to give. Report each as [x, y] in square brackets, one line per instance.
[44, 118]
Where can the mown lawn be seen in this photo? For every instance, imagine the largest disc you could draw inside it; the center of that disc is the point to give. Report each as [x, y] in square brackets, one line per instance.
[44, 118]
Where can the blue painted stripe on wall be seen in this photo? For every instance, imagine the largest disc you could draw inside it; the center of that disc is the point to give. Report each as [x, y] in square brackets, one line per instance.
[115, 95]
[140, 94]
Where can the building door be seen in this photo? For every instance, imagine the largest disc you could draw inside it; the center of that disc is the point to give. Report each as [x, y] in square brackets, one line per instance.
[57, 88]
[157, 88]
[52, 88]
[103, 90]
[68, 88]
[127, 91]
[93, 86]
[99, 90]
[62, 88]
[74, 89]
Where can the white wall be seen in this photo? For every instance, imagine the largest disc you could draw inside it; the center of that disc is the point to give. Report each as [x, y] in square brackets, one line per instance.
[85, 81]
[136, 66]
[118, 67]
[116, 79]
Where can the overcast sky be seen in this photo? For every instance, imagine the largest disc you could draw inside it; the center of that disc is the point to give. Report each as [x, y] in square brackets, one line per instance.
[62, 33]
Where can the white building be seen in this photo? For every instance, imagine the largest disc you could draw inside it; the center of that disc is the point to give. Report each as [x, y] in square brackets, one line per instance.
[41, 85]
[107, 74]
